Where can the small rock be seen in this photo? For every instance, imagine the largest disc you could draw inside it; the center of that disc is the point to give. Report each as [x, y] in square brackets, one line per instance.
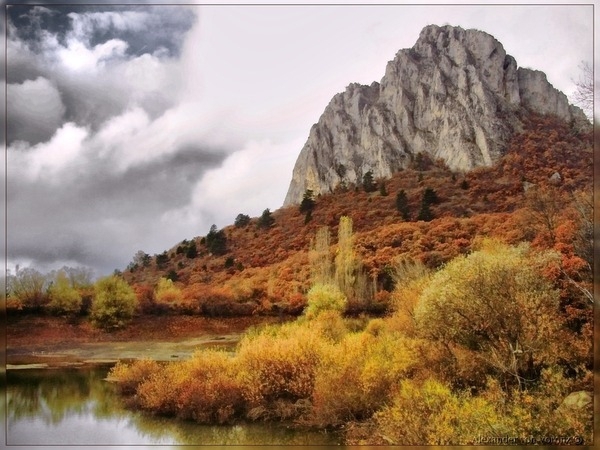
[527, 185]
[555, 178]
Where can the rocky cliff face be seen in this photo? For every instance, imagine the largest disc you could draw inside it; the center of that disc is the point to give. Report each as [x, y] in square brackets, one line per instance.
[455, 95]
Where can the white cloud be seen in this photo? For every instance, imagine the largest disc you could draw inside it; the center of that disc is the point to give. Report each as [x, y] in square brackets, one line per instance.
[78, 56]
[248, 181]
[49, 159]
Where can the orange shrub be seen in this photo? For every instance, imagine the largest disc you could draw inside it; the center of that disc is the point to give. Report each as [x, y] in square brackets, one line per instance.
[204, 388]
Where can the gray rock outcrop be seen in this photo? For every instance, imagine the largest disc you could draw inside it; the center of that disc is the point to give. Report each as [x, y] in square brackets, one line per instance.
[455, 95]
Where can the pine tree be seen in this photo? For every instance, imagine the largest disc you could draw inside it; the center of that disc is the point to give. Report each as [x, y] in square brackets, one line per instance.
[216, 241]
[430, 196]
[308, 202]
[402, 205]
[266, 220]
[382, 189]
[369, 184]
[425, 213]
[242, 220]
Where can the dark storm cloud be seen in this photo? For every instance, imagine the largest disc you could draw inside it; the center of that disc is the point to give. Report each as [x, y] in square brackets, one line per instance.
[146, 189]
[99, 147]
[151, 29]
[165, 28]
[96, 217]
[102, 60]
[36, 110]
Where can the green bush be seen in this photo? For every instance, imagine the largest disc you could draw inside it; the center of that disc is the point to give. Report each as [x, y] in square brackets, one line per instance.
[114, 303]
[65, 300]
[324, 297]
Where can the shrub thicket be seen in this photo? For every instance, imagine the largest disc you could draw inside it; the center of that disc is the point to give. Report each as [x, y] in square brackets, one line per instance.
[65, 300]
[166, 293]
[324, 297]
[496, 303]
[114, 303]
[437, 371]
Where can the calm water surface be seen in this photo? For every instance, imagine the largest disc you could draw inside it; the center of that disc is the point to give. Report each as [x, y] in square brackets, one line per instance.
[75, 406]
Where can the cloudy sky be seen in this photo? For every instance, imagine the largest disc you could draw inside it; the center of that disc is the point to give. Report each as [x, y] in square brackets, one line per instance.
[135, 127]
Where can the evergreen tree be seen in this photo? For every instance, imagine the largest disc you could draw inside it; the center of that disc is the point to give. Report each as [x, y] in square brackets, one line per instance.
[425, 213]
[430, 197]
[308, 202]
[266, 220]
[242, 220]
[172, 275]
[191, 251]
[383, 190]
[402, 205]
[162, 260]
[308, 217]
[369, 184]
[216, 241]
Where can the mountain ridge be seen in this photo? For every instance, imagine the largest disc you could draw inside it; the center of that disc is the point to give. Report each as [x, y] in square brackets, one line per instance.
[455, 95]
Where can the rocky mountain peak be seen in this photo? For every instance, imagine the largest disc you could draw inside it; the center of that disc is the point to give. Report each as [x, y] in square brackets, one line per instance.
[455, 95]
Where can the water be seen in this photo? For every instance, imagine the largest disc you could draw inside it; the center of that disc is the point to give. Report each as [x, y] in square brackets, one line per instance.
[75, 406]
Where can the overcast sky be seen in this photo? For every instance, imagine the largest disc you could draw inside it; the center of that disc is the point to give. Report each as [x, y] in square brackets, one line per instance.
[133, 128]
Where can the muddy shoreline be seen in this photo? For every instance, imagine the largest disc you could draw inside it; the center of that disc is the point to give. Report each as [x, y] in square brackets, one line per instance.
[47, 342]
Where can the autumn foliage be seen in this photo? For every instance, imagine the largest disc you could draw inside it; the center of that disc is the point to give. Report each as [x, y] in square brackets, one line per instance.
[442, 307]
[535, 193]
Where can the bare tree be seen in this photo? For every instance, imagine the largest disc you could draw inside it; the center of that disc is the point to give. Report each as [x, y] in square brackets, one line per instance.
[584, 95]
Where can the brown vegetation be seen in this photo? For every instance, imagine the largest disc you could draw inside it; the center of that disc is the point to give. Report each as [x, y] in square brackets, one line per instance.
[266, 271]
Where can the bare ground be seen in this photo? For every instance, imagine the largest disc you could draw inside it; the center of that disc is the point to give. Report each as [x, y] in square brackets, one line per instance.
[43, 341]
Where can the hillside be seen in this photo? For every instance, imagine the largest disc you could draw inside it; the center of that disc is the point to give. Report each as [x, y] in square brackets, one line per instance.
[266, 271]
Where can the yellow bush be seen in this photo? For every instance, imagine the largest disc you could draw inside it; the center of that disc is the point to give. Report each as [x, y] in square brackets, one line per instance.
[405, 297]
[159, 392]
[330, 325]
[540, 411]
[130, 376]
[167, 293]
[355, 376]
[279, 362]
[496, 303]
[430, 414]
[213, 393]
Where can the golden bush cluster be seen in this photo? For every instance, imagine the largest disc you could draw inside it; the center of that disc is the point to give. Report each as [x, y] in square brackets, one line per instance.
[474, 349]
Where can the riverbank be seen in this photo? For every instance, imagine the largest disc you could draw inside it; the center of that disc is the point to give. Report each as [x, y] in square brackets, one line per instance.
[46, 341]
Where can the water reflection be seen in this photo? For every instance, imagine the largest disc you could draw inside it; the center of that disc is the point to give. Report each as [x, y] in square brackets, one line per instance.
[75, 406]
